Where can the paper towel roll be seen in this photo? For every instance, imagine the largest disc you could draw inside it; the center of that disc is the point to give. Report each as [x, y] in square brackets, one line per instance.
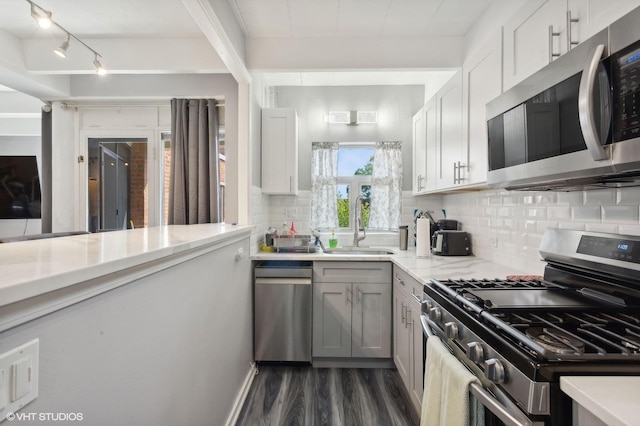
[423, 237]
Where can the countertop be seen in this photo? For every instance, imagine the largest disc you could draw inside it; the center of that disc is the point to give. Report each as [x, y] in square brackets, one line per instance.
[422, 269]
[31, 268]
[612, 399]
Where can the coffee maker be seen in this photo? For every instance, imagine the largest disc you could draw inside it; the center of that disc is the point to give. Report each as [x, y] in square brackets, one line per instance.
[439, 225]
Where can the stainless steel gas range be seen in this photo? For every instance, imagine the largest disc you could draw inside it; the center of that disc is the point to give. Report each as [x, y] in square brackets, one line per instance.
[520, 336]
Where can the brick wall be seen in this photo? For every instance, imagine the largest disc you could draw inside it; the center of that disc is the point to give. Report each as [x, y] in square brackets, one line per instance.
[138, 194]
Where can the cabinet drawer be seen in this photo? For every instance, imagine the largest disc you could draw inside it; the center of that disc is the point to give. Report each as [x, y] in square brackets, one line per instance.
[352, 272]
[405, 281]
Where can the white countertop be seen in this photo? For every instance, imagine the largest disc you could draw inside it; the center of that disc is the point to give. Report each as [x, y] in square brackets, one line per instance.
[31, 268]
[422, 269]
[614, 400]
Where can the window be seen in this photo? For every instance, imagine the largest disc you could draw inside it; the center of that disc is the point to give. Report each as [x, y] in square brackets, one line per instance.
[342, 173]
[355, 165]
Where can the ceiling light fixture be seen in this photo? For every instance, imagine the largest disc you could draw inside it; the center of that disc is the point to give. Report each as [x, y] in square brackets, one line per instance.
[62, 50]
[45, 21]
[99, 68]
[352, 117]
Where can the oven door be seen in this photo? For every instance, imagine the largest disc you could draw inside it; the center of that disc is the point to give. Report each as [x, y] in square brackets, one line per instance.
[498, 408]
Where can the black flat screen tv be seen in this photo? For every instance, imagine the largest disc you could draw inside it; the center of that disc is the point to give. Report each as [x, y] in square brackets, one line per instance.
[19, 187]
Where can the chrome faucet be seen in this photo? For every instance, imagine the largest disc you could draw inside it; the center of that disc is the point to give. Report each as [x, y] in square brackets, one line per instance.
[357, 215]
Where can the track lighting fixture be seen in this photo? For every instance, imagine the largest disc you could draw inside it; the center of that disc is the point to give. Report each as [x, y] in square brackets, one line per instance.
[99, 68]
[62, 50]
[43, 17]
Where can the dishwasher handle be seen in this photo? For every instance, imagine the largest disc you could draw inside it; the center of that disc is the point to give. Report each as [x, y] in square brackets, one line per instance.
[284, 281]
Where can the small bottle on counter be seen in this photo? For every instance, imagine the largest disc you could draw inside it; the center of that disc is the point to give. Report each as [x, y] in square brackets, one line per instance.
[333, 241]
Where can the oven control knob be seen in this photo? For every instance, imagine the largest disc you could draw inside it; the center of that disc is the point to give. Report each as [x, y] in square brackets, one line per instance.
[427, 304]
[475, 352]
[435, 315]
[451, 329]
[494, 370]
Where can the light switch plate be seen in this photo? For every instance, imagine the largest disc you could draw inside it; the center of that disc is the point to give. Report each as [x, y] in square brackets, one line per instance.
[18, 377]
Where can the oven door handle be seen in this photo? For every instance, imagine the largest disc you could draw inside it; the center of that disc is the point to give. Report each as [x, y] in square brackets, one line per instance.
[426, 327]
[508, 417]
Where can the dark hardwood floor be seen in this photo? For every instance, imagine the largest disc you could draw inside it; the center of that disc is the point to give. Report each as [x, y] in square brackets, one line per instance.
[327, 396]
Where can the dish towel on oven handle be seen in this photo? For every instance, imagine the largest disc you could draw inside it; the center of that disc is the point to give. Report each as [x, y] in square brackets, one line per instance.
[446, 388]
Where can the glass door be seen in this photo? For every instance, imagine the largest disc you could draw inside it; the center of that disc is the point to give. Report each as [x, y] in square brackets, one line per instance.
[118, 193]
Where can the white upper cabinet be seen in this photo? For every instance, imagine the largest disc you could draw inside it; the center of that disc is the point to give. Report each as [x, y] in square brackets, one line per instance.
[595, 15]
[532, 37]
[431, 141]
[482, 82]
[438, 133]
[449, 134]
[419, 152]
[279, 151]
[543, 30]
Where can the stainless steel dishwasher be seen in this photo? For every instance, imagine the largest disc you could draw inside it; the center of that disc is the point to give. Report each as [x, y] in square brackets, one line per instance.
[282, 311]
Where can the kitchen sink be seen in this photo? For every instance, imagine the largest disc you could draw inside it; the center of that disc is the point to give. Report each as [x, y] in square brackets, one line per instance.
[371, 251]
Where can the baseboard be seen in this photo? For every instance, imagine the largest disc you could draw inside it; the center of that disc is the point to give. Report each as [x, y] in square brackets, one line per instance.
[242, 396]
[352, 363]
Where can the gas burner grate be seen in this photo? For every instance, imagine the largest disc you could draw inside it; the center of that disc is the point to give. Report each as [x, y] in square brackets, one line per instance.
[465, 284]
[592, 335]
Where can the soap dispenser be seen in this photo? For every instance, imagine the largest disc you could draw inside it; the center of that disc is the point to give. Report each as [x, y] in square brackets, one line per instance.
[333, 241]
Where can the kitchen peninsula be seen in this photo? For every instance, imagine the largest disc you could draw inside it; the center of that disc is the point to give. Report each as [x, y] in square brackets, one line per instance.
[133, 326]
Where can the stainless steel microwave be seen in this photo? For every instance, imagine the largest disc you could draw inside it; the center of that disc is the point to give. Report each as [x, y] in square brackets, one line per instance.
[574, 124]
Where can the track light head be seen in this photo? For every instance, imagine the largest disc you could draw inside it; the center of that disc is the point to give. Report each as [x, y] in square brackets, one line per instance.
[99, 68]
[43, 19]
[62, 50]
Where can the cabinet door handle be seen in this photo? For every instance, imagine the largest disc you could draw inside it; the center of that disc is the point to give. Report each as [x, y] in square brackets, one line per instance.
[552, 34]
[457, 174]
[404, 313]
[397, 278]
[358, 294]
[290, 183]
[417, 298]
[570, 20]
[347, 293]
[409, 322]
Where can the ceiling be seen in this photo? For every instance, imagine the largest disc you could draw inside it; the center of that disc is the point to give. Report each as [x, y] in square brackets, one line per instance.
[98, 22]
[101, 19]
[357, 18]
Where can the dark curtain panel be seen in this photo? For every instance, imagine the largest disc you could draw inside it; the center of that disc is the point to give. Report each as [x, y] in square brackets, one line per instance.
[194, 194]
[46, 173]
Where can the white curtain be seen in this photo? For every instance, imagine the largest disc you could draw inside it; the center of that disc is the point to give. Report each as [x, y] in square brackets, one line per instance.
[324, 186]
[386, 186]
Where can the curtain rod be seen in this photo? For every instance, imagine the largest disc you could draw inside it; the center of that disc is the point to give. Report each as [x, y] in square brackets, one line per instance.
[355, 143]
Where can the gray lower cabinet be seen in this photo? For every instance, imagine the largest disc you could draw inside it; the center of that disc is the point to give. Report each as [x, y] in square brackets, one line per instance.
[352, 309]
[408, 346]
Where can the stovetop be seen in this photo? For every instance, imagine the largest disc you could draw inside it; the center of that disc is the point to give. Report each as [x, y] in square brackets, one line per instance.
[549, 321]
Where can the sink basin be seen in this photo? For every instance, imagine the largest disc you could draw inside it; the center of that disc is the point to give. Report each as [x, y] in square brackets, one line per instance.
[371, 251]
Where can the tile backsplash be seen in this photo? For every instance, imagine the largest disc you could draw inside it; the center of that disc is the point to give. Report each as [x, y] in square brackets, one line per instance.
[506, 226]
